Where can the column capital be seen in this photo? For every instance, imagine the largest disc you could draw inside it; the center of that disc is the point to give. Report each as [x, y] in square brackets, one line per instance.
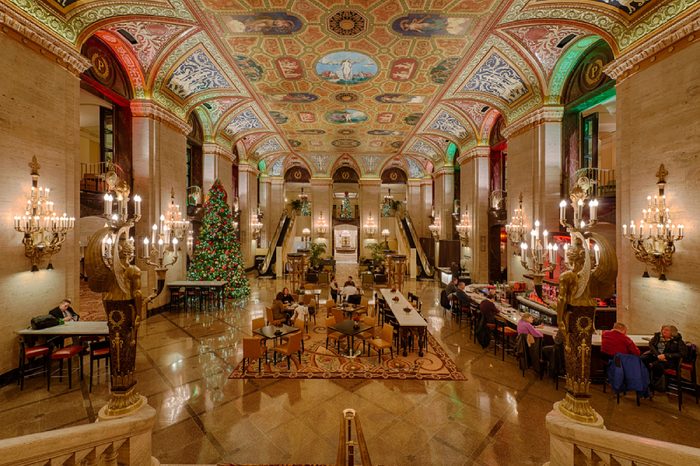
[473, 153]
[210, 148]
[444, 170]
[661, 44]
[34, 36]
[544, 114]
[150, 109]
[245, 167]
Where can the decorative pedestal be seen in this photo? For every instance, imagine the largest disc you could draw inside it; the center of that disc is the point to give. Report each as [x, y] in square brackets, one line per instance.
[123, 322]
[396, 267]
[297, 262]
[578, 322]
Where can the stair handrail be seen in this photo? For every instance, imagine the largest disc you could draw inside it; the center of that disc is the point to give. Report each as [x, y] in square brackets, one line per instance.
[291, 214]
[352, 447]
[402, 214]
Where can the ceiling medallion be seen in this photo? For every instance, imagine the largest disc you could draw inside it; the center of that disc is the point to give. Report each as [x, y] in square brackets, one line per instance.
[346, 97]
[347, 23]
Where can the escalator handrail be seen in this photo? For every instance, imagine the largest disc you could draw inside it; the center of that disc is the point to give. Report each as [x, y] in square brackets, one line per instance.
[274, 243]
[403, 215]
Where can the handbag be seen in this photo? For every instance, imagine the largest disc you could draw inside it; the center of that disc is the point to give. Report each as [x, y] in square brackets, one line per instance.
[44, 321]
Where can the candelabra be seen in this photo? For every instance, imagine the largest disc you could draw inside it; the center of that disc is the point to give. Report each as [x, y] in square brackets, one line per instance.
[540, 257]
[370, 227]
[256, 225]
[653, 241]
[578, 195]
[44, 231]
[435, 228]
[463, 229]
[516, 228]
[161, 251]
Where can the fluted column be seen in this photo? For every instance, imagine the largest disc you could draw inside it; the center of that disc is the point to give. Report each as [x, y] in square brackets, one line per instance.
[474, 180]
[248, 203]
[444, 199]
[370, 192]
[321, 201]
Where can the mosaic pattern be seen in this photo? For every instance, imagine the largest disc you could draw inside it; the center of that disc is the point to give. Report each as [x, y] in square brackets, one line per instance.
[244, 121]
[370, 163]
[251, 140]
[320, 162]
[251, 70]
[150, 38]
[218, 107]
[497, 77]
[423, 148]
[270, 146]
[197, 73]
[347, 23]
[476, 111]
[415, 170]
[547, 43]
[447, 123]
[277, 167]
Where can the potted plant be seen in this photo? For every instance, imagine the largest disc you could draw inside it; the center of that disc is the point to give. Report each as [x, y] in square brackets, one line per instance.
[296, 205]
[316, 250]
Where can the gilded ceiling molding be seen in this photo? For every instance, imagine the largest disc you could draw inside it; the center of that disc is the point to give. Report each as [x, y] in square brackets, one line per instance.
[209, 148]
[546, 114]
[245, 167]
[149, 109]
[665, 41]
[474, 153]
[66, 55]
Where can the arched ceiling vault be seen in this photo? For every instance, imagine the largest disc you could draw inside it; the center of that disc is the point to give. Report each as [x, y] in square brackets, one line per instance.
[311, 81]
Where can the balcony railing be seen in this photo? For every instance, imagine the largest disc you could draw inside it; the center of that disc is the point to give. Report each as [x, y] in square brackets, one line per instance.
[92, 176]
[602, 181]
[125, 440]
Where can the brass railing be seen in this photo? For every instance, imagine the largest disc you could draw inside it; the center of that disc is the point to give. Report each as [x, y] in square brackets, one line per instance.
[602, 181]
[352, 448]
[124, 441]
[92, 175]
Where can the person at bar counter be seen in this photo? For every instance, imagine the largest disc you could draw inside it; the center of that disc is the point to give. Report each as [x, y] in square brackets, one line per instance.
[451, 287]
[488, 309]
[462, 294]
[525, 326]
[65, 312]
[284, 296]
[666, 349]
[616, 341]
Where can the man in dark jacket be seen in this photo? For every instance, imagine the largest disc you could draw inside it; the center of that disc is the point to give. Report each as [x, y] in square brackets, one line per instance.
[64, 311]
[666, 349]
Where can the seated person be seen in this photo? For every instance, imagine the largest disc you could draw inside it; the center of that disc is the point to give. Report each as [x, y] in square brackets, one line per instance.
[666, 349]
[65, 312]
[525, 326]
[278, 314]
[348, 291]
[461, 294]
[334, 289]
[616, 341]
[488, 310]
[349, 281]
[284, 296]
[452, 286]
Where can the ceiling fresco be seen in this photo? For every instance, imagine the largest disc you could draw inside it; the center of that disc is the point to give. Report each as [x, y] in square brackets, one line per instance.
[320, 81]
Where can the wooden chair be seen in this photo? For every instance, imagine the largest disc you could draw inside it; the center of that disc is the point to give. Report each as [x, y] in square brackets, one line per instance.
[269, 318]
[252, 349]
[28, 354]
[310, 304]
[98, 350]
[330, 334]
[383, 342]
[368, 334]
[338, 315]
[674, 377]
[300, 324]
[293, 345]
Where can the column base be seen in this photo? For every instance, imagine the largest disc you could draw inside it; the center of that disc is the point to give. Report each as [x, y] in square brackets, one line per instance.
[122, 404]
[579, 410]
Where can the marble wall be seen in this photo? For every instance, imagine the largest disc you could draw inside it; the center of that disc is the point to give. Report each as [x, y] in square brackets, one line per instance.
[657, 122]
[39, 116]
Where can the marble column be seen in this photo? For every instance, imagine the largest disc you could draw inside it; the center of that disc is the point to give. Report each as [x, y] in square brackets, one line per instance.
[444, 199]
[217, 165]
[321, 202]
[248, 203]
[534, 169]
[414, 204]
[370, 192]
[426, 204]
[474, 180]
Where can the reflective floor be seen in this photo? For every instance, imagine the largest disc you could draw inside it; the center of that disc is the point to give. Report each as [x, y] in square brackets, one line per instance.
[494, 417]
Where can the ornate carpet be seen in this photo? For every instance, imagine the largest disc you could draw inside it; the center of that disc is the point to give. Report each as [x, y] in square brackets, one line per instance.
[317, 362]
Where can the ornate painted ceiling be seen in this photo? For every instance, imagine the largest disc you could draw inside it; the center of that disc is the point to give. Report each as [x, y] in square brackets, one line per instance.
[374, 82]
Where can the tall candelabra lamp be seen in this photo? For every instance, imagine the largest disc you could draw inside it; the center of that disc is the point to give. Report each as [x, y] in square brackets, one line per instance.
[591, 273]
[654, 238]
[44, 232]
[539, 257]
[516, 228]
[463, 229]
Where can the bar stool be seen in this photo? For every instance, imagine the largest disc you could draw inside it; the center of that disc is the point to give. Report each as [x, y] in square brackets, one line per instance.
[506, 334]
[67, 353]
[28, 354]
[98, 350]
[177, 296]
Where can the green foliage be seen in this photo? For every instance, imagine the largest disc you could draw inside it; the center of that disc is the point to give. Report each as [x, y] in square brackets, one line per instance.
[345, 209]
[217, 252]
[316, 250]
[296, 204]
[377, 252]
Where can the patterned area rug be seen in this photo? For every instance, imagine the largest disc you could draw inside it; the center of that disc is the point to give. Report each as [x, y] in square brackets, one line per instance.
[317, 362]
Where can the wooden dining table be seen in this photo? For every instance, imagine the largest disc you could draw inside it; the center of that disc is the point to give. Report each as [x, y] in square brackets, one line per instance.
[408, 318]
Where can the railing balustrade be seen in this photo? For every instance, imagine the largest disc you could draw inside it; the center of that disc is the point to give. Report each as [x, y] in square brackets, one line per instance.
[602, 181]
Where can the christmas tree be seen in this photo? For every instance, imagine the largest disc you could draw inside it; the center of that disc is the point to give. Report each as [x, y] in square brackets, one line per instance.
[217, 252]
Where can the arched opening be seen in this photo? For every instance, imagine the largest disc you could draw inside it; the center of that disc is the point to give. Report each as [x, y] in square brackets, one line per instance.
[346, 215]
[497, 239]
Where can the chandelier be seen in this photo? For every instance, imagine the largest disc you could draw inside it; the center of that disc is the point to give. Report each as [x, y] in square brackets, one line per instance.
[322, 225]
[165, 237]
[653, 239]
[370, 227]
[256, 225]
[44, 231]
[463, 229]
[516, 228]
[435, 228]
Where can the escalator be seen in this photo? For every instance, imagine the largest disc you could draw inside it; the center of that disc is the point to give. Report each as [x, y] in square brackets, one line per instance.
[284, 226]
[408, 231]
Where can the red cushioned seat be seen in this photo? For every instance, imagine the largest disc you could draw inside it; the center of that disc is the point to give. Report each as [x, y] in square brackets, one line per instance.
[36, 351]
[67, 353]
[99, 350]
[27, 354]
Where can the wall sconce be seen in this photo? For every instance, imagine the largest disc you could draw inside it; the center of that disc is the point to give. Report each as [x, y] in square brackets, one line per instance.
[370, 227]
[463, 229]
[306, 236]
[322, 225]
[516, 228]
[653, 240]
[435, 228]
[165, 237]
[44, 231]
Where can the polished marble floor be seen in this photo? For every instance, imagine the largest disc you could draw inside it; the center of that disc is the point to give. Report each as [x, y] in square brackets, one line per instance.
[496, 417]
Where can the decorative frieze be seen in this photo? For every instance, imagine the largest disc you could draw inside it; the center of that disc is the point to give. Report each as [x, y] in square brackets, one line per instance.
[44, 42]
[149, 109]
[473, 153]
[547, 114]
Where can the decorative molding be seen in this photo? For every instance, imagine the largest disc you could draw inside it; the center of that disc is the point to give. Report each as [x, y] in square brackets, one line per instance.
[547, 114]
[474, 153]
[209, 148]
[630, 62]
[66, 55]
[149, 109]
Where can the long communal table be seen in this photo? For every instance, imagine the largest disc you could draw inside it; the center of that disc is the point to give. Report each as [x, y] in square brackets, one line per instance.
[216, 286]
[408, 321]
[69, 329]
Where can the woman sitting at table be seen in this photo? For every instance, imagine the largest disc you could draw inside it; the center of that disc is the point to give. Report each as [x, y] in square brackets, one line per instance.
[525, 327]
[334, 289]
[284, 296]
[666, 348]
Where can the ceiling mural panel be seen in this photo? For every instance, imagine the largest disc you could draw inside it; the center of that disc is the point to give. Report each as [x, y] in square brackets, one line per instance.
[147, 39]
[447, 123]
[546, 43]
[247, 120]
[216, 108]
[476, 111]
[497, 77]
[415, 169]
[277, 167]
[195, 74]
[423, 148]
[269, 146]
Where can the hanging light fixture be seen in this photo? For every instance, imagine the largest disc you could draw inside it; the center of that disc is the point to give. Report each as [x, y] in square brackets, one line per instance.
[516, 228]
[370, 226]
[463, 229]
[322, 225]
